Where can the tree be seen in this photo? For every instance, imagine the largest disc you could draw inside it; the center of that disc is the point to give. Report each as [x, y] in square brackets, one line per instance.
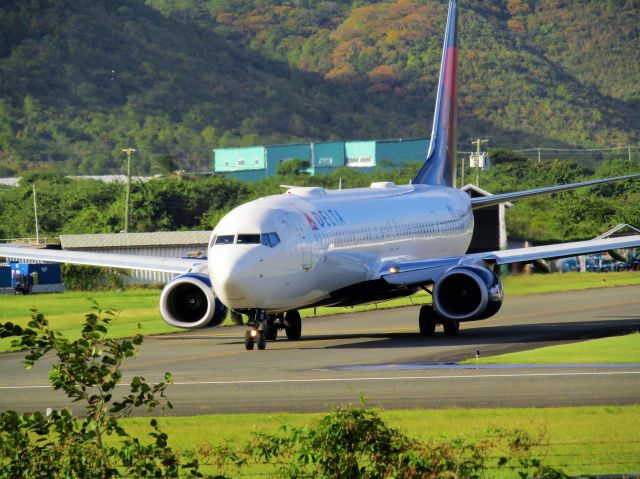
[292, 167]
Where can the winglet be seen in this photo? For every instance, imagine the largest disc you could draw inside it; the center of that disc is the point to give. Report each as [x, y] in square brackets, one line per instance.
[439, 167]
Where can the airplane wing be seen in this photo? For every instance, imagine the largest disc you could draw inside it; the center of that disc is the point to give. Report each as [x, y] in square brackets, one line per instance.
[428, 271]
[124, 261]
[484, 201]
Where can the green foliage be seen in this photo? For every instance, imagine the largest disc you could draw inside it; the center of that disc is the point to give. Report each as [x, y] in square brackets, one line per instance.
[87, 370]
[173, 203]
[90, 278]
[577, 215]
[356, 443]
[292, 167]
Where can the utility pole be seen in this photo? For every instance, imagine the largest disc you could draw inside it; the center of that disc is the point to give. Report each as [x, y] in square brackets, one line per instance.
[462, 175]
[539, 158]
[629, 147]
[478, 142]
[35, 213]
[128, 151]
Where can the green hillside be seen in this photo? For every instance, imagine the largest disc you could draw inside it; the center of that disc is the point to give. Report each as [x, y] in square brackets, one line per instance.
[81, 80]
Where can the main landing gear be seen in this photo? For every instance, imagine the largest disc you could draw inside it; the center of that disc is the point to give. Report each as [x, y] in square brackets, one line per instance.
[264, 327]
[429, 319]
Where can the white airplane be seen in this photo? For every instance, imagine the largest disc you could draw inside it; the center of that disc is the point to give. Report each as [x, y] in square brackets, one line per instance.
[310, 247]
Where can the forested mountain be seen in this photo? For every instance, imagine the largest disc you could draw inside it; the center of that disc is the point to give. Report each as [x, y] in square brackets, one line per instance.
[81, 80]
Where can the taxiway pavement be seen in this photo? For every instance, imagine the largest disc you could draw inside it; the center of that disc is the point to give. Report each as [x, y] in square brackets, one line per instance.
[378, 355]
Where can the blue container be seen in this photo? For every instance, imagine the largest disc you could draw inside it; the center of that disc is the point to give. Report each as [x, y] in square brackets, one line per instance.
[5, 276]
[47, 273]
[35, 273]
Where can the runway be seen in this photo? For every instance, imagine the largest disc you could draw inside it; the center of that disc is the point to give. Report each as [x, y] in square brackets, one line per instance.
[381, 356]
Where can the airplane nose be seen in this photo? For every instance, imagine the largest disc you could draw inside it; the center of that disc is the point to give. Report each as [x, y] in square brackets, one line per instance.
[232, 277]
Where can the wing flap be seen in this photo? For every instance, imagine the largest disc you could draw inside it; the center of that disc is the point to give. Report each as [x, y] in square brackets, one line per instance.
[123, 261]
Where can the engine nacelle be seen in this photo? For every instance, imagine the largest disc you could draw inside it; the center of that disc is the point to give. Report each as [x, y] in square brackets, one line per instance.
[189, 302]
[467, 293]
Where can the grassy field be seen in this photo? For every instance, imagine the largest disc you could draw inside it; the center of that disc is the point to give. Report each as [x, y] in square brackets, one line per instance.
[617, 349]
[65, 312]
[518, 285]
[582, 440]
[139, 307]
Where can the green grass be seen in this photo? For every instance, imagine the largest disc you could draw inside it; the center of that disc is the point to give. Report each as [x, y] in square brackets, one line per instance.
[139, 307]
[617, 349]
[65, 312]
[524, 284]
[582, 440]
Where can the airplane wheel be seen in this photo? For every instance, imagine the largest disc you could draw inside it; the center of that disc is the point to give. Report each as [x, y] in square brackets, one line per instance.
[427, 320]
[271, 330]
[261, 340]
[248, 340]
[451, 327]
[293, 325]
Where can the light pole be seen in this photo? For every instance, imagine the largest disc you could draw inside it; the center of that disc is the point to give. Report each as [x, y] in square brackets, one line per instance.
[35, 213]
[128, 151]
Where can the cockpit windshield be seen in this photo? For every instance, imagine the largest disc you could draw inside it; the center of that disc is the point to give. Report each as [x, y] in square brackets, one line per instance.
[225, 239]
[266, 239]
[248, 239]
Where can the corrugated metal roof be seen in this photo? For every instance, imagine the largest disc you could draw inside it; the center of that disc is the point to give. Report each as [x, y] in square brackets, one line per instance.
[126, 240]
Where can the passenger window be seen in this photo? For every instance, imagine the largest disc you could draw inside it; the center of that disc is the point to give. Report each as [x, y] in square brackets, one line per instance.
[248, 239]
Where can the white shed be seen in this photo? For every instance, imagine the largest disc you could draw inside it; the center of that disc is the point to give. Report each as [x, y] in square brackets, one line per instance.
[168, 244]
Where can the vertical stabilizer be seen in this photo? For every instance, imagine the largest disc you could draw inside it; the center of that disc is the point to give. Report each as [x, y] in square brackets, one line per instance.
[440, 165]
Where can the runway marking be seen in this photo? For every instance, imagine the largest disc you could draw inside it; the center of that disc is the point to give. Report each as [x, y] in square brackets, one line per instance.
[367, 379]
[400, 378]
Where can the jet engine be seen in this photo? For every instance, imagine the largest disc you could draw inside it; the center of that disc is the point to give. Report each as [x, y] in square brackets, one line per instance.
[467, 293]
[189, 302]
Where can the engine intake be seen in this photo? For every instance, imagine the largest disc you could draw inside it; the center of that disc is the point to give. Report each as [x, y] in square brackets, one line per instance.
[189, 302]
[467, 293]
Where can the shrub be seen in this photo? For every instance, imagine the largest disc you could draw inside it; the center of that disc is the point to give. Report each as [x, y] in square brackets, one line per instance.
[356, 443]
[87, 370]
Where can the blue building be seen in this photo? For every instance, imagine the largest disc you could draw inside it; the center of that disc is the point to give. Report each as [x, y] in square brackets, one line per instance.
[30, 278]
[257, 162]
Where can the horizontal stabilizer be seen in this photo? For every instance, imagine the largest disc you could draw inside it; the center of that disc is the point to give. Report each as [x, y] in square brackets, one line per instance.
[484, 201]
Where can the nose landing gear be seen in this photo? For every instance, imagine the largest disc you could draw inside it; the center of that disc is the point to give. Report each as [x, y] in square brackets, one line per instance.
[264, 327]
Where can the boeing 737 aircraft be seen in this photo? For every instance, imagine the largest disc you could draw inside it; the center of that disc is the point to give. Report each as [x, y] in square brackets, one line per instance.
[271, 257]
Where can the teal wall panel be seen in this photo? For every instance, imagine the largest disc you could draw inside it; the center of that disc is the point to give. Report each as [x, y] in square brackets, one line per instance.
[239, 159]
[401, 151]
[328, 155]
[360, 154]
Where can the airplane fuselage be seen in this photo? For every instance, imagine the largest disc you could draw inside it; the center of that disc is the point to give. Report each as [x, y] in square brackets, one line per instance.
[312, 246]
